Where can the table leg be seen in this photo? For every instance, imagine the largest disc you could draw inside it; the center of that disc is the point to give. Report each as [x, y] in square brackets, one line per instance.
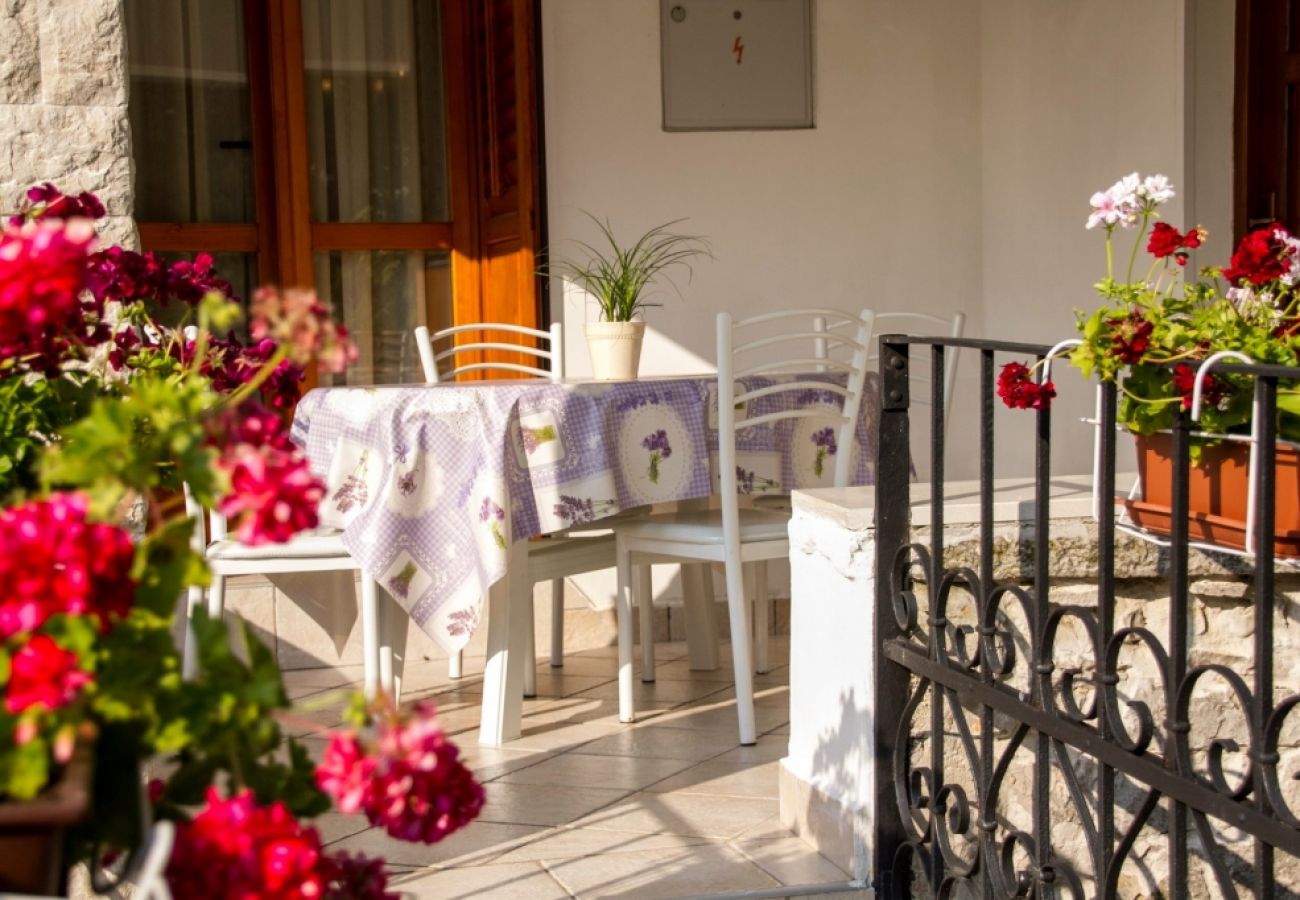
[701, 616]
[503, 675]
[393, 627]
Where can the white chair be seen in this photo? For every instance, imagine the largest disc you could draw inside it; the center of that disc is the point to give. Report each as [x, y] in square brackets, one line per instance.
[922, 324]
[557, 557]
[319, 550]
[731, 535]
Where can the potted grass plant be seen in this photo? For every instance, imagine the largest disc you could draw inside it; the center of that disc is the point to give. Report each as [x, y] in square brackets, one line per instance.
[618, 277]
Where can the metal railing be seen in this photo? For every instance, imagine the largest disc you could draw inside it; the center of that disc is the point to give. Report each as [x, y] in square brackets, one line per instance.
[990, 738]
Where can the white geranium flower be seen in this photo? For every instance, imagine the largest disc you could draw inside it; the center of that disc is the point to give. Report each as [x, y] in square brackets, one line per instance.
[1156, 189]
[1292, 255]
[1117, 205]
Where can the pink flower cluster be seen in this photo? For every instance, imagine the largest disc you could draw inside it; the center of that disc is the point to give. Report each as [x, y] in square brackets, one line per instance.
[53, 561]
[42, 273]
[273, 494]
[410, 781]
[295, 319]
[43, 676]
[237, 850]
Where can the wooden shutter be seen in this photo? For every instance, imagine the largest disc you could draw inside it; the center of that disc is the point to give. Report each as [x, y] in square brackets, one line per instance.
[496, 280]
[1268, 132]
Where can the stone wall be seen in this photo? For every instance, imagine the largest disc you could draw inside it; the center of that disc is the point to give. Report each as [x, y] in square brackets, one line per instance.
[63, 113]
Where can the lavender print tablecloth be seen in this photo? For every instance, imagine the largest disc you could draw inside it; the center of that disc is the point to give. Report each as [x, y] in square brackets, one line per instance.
[420, 477]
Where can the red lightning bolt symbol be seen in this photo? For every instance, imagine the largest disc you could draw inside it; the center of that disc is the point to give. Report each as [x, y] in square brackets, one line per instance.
[738, 48]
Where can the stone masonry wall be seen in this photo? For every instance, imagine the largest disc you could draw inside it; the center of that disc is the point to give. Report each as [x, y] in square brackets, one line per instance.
[63, 112]
[1220, 632]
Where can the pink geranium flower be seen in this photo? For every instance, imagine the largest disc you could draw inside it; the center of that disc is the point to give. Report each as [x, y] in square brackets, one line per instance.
[53, 561]
[295, 319]
[44, 676]
[42, 273]
[273, 494]
[411, 781]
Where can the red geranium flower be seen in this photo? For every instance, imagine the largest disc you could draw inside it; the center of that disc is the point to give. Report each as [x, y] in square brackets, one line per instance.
[1018, 389]
[1131, 338]
[1261, 257]
[237, 850]
[44, 676]
[1184, 379]
[1169, 241]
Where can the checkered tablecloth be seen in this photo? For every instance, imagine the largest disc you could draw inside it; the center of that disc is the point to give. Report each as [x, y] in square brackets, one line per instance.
[420, 477]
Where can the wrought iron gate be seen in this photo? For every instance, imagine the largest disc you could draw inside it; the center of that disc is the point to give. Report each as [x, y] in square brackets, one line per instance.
[1006, 766]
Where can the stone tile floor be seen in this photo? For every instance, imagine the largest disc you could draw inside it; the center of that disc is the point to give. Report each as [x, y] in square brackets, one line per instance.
[583, 806]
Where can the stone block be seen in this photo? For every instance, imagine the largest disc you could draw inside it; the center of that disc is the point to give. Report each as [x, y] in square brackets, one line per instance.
[83, 52]
[20, 65]
[77, 148]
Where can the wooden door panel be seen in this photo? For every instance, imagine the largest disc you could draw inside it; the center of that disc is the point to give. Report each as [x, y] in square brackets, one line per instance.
[1268, 133]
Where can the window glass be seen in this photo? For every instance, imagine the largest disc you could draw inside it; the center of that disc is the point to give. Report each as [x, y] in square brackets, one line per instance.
[190, 125]
[375, 111]
[381, 296]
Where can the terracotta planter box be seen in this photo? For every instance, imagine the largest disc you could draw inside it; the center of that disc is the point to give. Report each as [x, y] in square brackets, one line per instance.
[31, 831]
[1218, 488]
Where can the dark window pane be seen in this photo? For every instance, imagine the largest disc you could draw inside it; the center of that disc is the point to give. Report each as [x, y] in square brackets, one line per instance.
[375, 111]
[381, 296]
[190, 126]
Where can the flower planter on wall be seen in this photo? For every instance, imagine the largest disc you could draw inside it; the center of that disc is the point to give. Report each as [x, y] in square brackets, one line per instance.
[1218, 488]
[32, 831]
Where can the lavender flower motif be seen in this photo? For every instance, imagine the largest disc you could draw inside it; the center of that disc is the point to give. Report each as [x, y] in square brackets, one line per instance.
[575, 510]
[406, 484]
[826, 446]
[660, 449]
[813, 397]
[494, 515]
[400, 584]
[532, 437]
[462, 621]
[353, 491]
[748, 482]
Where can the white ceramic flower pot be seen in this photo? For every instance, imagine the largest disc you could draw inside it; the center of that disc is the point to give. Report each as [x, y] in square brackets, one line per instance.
[615, 349]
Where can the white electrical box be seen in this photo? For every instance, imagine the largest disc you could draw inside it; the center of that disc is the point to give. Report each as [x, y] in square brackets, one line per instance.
[736, 64]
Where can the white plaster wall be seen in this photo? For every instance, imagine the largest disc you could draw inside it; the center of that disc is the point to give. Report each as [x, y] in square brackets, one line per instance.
[874, 206]
[955, 148]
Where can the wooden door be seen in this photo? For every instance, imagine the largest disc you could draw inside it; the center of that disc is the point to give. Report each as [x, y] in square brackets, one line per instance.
[1268, 116]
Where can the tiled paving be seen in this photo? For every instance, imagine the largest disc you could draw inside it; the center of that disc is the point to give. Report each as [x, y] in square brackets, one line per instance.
[583, 806]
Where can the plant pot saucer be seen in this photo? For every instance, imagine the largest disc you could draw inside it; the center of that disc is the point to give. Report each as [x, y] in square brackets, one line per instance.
[1205, 528]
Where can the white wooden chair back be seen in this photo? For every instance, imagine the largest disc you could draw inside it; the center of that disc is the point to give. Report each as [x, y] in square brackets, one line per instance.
[549, 353]
[837, 329]
[921, 324]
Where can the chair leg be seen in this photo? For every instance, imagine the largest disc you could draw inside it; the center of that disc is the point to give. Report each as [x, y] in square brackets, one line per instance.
[623, 615]
[701, 616]
[557, 622]
[370, 638]
[190, 652]
[762, 618]
[217, 597]
[530, 646]
[645, 598]
[394, 623]
[740, 654]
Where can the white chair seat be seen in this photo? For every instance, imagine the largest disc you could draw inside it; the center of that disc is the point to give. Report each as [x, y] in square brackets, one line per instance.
[705, 527]
[315, 544]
